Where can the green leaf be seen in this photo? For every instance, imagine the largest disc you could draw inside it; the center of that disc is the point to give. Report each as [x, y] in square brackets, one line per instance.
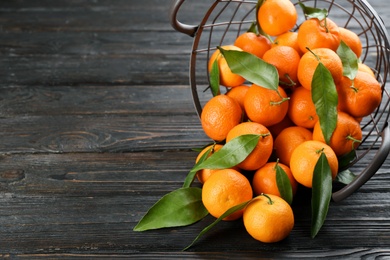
[349, 59]
[253, 28]
[231, 154]
[214, 78]
[205, 155]
[325, 99]
[345, 177]
[252, 68]
[312, 12]
[346, 159]
[321, 194]
[181, 207]
[284, 184]
[224, 215]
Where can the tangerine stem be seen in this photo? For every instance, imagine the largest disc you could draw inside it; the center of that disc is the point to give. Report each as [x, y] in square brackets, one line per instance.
[277, 103]
[289, 84]
[353, 87]
[270, 202]
[354, 140]
[315, 55]
[213, 148]
[276, 164]
[265, 135]
[320, 150]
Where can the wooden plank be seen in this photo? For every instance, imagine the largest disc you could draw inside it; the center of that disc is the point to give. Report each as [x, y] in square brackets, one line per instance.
[80, 17]
[98, 100]
[100, 134]
[64, 70]
[120, 44]
[355, 253]
[94, 16]
[83, 41]
[97, 124]
[100, 194]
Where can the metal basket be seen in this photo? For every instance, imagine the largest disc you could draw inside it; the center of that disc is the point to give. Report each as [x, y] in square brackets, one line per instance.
[226, 19]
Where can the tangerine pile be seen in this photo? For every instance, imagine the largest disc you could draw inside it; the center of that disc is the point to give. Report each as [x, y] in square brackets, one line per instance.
[286, 118]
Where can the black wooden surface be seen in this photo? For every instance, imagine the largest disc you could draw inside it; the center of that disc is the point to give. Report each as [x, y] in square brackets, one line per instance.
[97, 124]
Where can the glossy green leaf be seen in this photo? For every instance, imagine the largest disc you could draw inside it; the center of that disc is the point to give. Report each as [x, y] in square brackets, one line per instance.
[253, 28]
[224, 215]
[321, 194]
[181, 207]
[345, 177]
[346, 159]
[349, 59]
[231, 154]
[252, 68]
[205, 155]
[214, 78]
[284, 184]
[325, 99]
[312, 12]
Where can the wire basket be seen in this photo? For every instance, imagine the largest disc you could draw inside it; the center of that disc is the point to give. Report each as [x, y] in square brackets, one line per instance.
[227, 19]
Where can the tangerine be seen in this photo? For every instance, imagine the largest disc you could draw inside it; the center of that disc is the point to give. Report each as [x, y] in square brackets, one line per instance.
[238, 94]
[264, 179]
[226, 77]
[220, 114]
[277, 16]
[359, 97]
[225, 189]
[263, 150]
[352, 40]
[365, 68]
[266, 106]
[309, 62]
[253, 43]
[288, 140]
[314, 34]
[301, 109]
[304, 159]
[286, 60]
[288, 39]
[268, 218]
[346, 136]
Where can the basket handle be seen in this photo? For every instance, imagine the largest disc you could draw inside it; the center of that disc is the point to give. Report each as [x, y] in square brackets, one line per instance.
[178, 26]
[369, 171]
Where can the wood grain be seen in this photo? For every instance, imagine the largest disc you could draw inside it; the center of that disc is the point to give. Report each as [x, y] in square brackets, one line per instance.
[97, 124]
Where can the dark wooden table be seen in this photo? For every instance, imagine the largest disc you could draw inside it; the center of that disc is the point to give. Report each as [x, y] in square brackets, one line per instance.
[97, 123]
